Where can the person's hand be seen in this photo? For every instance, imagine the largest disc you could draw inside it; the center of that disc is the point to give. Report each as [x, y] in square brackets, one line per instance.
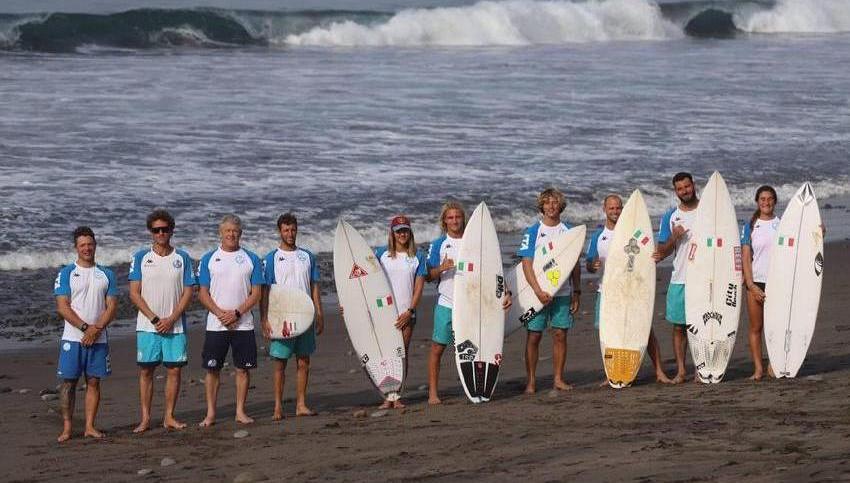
[403, 320]
[596, 265]
[507, 301]
[266, 328]
[341, 311]
[543, 296]
[575, 302]
[320, 324]
[90, 336]
[228, 318]
[656, 256]
[757, 292]
[447, 265]
[679, 232]
[165, 324]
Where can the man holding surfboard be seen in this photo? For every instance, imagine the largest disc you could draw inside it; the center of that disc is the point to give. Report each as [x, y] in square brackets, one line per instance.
[558, 309]
[597, 252]
[673, 236]
[292, 267]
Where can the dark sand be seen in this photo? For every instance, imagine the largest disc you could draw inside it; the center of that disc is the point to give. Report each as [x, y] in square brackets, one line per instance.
[788, 430]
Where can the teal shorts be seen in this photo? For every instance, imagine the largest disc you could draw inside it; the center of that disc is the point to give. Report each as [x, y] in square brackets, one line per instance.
[598, 305]
[303, 345]
[556, 315]
[442, 325]
[676, 304]
[153, 348]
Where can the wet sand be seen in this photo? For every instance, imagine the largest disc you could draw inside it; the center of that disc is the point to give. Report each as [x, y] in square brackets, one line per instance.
[788, 430]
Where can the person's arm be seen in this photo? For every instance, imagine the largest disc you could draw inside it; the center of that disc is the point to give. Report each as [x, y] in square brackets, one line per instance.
[592, 261]
[63, 307]
[264, 312]
[528, 271]
[317, 303]
[252, 300]
[575, 300]
[226, 317]
[139, 301]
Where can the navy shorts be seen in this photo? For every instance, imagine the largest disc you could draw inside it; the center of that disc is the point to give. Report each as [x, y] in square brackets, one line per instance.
[217, 343]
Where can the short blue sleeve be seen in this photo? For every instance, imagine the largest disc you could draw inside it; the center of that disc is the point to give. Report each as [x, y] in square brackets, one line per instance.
[421, 270]
[434, 252]
[257, 277]
[567, 225]
[268, 267]
[379, 252]
[135, 274]
[593, 249]
[62, 285]
[112, 287]
[529, 241]
[664, 230]
[314, 267]
[204, 269]
[189, 279]
[746, 235]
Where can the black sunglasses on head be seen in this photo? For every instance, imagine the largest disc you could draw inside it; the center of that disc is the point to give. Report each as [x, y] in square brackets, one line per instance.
[160, 229]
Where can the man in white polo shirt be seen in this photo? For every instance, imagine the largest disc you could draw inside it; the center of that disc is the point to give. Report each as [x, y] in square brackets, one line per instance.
[161, 284]
[87, 298]
[231, 280]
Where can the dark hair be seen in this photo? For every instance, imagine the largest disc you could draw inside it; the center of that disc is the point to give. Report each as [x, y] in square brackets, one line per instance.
[683, 175]
[286, 219]
[759, 191]
[162, 215]
[83, 231]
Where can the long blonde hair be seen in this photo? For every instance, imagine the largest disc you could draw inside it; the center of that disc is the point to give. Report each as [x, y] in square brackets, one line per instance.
[451, 205]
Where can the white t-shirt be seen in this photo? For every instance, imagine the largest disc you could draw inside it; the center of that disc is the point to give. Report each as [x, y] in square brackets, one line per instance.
[295, 269]
[442, 248]
[600, 241]
[761, 239]
[87, 288]
[163, 280]
[229, 277]
[677, 216]
[402, 272]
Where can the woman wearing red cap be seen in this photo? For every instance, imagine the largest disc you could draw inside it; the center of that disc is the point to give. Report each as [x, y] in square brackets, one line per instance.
[405, 267]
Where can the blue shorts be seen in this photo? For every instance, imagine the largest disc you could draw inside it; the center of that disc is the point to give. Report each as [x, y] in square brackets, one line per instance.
[556, 314]
[598, 306]
[676, 304]
[76, 360]
[303, 345]
[153, 348]
[442, 325]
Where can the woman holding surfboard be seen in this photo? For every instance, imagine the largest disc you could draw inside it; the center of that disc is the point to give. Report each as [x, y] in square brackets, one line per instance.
[757, 239]
[405, 267]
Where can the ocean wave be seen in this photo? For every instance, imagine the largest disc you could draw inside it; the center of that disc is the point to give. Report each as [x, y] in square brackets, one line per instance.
[509, 219]
[798, 16]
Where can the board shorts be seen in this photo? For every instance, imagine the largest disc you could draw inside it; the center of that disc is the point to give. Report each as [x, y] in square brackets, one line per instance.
[303, 345]
[217, 343]
[442, 325]
[556, 315]
[76, 360]
[676, 304]
[598, 306]
[153, 348]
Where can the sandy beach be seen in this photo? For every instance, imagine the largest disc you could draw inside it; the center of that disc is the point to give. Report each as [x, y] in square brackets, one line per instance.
[788, 430]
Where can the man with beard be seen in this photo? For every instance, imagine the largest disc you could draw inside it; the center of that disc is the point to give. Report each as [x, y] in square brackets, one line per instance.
[673, 236]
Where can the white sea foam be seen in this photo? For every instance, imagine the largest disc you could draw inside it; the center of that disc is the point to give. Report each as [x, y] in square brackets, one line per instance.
[515, 22]
[798, 16]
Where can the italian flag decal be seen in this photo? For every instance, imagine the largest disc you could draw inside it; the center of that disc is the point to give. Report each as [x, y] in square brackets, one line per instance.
[385, 301]
[786, 241]
[464, 266]
[714, 242]
[547, 248]
[643, 239]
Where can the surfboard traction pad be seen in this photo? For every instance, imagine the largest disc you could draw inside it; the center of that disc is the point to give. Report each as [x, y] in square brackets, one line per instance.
[707, 353]
[621, 365]
[479, 377]
[383, 374]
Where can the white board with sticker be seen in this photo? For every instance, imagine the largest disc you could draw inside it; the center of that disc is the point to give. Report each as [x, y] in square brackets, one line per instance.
[291, 312]
[713, 282]
[478, 319]
[553, 264]
[370, 312]
[794, 280]
[628, 294]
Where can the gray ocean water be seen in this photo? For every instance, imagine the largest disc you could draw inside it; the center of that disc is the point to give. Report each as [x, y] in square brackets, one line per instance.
[365, 110]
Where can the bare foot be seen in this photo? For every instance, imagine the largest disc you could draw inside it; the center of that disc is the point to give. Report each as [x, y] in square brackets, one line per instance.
[244, 419]
[207, 422]
[770, 371]
[93, 433]
[562, 386]
[278, 415]
[65, 436]
[398, 404]
[387, 404]
[662, 378]
[142, 427]
[434, 400]
[603, 383]
[172, 423]
[305, 411]
[680, 378]
[530, 389]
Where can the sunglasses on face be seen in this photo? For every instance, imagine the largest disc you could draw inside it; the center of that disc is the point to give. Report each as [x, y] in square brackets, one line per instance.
[160, 229]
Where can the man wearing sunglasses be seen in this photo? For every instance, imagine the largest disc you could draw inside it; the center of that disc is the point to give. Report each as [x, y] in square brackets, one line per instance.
[161, 284]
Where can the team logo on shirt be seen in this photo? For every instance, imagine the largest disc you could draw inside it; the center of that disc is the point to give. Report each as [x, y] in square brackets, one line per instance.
[240, 259]
[302, 256]
[149, 261]
[75, 274]
[99, 274]
[177, 263]
[281, 259]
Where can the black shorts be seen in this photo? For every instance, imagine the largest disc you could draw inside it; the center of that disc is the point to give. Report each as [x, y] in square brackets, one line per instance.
[216, 344]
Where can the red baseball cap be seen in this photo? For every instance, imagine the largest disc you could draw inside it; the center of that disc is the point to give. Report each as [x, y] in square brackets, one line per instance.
[399, 223]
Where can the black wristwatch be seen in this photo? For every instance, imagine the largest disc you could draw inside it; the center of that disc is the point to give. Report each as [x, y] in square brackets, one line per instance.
[84, 327]
[155, 320]
[238, 314]
[412, 311]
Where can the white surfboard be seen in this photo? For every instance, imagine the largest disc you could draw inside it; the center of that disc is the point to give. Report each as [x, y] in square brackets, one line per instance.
[713, 282]
[794, 281]
[553, 263]
[291, 312]
[477, 316]
[369, 311]
[628, 294]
